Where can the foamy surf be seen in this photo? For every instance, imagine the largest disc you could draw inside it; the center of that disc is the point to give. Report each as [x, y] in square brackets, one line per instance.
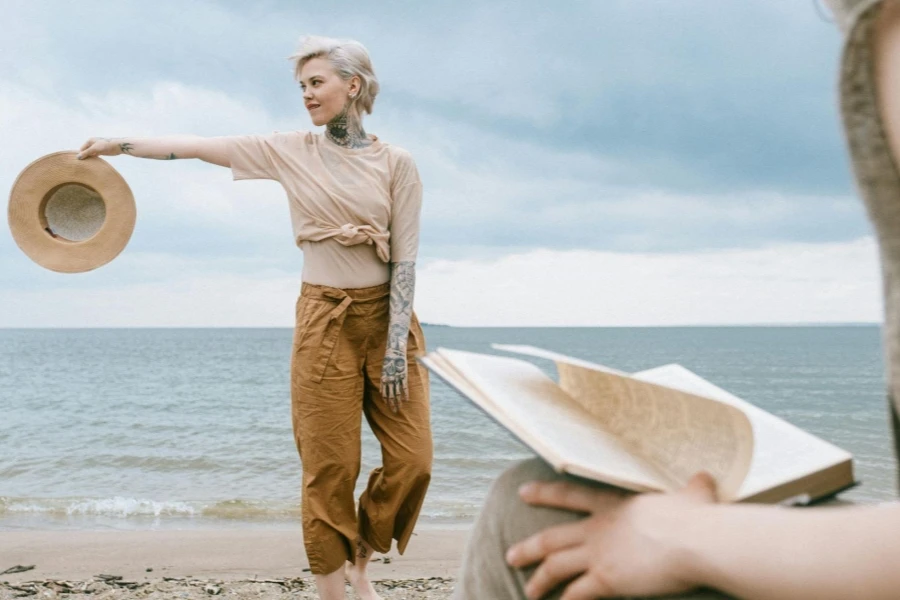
[109, 507]
[31, 512]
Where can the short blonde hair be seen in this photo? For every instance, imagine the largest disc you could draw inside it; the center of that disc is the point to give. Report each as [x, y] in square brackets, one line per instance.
[348, 57]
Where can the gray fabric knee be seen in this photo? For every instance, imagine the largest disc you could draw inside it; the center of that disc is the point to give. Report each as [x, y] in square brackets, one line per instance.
[504, 520]
[508, 483]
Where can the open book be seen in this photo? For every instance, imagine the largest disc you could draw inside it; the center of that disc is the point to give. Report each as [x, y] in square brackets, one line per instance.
[647, 431]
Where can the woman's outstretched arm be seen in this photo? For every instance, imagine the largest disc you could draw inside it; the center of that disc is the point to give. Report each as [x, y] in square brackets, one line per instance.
[208, 149]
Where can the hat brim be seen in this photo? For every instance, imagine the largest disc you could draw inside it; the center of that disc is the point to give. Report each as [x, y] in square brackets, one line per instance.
[39, 181]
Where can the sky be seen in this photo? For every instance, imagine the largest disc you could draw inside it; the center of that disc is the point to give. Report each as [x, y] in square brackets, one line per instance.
[603, 163]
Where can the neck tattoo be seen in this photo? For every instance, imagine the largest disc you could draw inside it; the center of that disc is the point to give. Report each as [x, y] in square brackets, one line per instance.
[346, 130]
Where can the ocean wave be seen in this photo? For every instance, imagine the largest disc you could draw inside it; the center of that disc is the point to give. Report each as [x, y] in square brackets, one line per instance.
[173, 464]
[119, 507]
[250, 510]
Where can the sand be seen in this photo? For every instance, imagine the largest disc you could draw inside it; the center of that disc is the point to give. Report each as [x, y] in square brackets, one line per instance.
[237, 563]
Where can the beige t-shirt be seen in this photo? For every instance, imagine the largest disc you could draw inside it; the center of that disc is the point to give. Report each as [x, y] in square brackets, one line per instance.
[353, 211]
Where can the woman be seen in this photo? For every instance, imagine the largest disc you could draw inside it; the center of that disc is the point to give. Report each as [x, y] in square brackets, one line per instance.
[543, 536]
[354, 205]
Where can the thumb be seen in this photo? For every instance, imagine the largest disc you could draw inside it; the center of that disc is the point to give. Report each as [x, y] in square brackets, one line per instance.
[88, 151]
[701, 487]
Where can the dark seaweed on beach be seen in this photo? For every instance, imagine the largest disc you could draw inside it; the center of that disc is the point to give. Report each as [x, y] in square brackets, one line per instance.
[113, 587]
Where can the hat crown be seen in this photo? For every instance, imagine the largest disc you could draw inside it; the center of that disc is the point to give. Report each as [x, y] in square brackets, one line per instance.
[74, 212]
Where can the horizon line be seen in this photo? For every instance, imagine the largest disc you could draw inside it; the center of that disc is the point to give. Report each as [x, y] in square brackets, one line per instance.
[427, 324]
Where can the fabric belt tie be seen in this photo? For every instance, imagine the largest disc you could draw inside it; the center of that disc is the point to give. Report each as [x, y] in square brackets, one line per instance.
[332, 330]
[341, 308]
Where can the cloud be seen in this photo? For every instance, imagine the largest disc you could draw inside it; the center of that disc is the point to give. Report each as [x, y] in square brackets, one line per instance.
[793, 283]
[789, 283]
[699, 96]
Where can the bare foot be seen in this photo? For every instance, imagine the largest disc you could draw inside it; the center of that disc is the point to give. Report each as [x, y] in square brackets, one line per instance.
[359, 579]
[331, 586]
[356, 573]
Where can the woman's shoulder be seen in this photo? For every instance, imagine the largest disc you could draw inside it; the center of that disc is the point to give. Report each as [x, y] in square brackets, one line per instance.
[402, 165]
[293, 137]
[400, 158]
[394, 150]
[294, 143]
[276, 140]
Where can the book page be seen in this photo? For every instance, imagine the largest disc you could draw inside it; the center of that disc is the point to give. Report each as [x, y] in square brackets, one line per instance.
[679, 432]
[531, 405]
[441, 367]
[782, 452]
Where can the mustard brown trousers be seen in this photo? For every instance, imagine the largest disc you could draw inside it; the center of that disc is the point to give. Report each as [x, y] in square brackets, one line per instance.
[339, 346]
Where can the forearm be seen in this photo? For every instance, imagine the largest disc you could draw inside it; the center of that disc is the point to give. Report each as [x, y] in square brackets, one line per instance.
[173, 147]
[773, 552]
[403, 287]
[170, 147]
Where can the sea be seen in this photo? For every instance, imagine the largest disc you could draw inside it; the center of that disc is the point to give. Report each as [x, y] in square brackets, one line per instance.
[190, 428]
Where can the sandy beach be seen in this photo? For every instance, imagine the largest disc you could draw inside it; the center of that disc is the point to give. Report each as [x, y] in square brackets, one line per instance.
[238, 563]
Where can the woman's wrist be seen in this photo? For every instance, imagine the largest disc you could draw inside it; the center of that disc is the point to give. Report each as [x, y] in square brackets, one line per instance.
[397, 348]
[690, 554]
[397, 335]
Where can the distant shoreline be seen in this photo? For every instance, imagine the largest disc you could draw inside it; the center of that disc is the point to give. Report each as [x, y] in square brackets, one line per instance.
[446, 326]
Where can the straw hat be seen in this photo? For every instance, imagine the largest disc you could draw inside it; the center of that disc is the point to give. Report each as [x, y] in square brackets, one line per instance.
[71, 215]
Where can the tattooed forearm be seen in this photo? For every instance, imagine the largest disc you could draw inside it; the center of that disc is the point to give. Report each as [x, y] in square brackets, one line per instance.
[403, 286]
[394, 368]
[145, 148]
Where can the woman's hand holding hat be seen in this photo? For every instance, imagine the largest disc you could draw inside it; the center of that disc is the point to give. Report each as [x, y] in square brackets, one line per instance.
[96, 146]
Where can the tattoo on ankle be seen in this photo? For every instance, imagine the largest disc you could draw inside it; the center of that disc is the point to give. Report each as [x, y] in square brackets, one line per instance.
[361, 551]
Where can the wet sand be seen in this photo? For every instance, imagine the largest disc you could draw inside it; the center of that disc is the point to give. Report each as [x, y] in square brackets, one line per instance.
[239, 563]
